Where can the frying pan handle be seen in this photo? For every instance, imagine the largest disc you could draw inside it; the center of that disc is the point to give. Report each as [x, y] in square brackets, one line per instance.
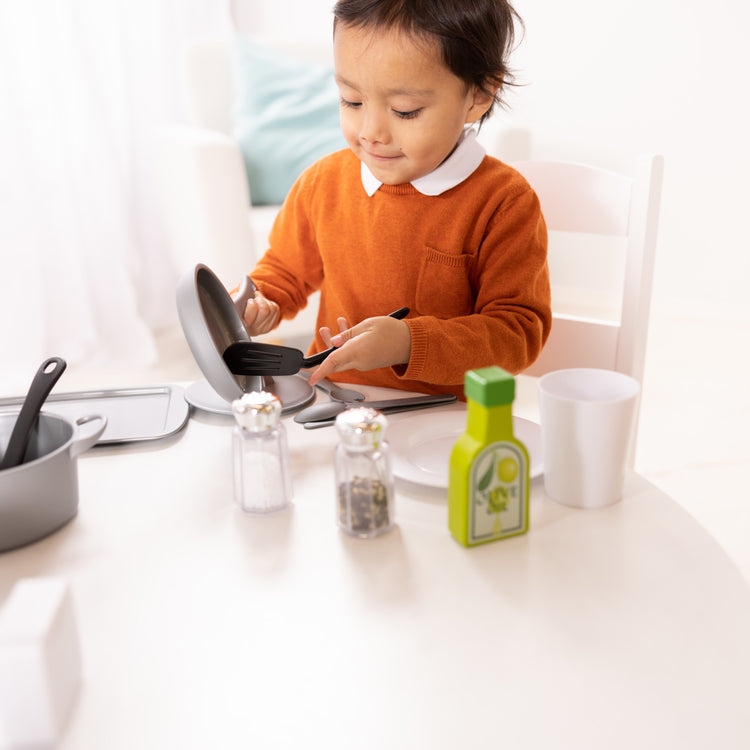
[244, 293]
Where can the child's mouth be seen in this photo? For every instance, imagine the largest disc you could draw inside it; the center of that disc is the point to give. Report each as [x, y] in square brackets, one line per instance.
[380, 157]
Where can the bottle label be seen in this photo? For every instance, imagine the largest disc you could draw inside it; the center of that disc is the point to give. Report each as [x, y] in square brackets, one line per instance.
[497, 493]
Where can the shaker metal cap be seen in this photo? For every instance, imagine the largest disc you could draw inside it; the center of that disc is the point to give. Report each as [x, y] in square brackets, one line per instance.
[362, 426]
[257, 411]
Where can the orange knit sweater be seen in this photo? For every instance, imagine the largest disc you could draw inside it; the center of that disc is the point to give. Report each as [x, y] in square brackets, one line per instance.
[471, 264]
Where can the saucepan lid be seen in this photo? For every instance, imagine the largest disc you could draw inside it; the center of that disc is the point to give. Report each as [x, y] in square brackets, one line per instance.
[211, 322]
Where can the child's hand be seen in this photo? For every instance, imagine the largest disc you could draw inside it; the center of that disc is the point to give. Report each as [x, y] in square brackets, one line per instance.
[327, 335]
[261, 315]
[375, 342]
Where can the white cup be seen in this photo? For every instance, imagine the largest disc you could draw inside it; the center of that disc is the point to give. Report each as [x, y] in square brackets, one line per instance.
[587, 418]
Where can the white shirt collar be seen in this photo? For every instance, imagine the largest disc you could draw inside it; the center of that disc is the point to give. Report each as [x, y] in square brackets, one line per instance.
[466, 157]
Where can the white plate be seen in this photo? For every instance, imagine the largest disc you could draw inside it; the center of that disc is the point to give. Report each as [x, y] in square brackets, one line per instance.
[293, 391]
[202, 396]
[421, 445]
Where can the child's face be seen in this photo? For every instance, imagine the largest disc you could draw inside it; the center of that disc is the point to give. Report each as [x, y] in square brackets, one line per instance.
[402, 109]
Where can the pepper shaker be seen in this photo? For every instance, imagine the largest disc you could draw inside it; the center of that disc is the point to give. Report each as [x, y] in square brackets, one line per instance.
[364, 479]
[262, 481]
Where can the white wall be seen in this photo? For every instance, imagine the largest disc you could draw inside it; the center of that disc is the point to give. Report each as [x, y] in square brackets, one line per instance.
[657, 76]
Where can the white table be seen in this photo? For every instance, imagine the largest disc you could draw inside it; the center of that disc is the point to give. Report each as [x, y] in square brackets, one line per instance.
[626, 627]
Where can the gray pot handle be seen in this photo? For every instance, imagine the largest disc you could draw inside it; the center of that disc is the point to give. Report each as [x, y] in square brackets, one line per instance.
[85, 439]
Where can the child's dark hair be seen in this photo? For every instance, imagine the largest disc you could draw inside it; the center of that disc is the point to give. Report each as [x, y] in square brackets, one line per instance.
[475, 36]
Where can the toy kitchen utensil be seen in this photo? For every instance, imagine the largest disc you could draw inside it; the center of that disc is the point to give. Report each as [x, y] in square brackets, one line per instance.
[335, 391]
[322, 415]
[245, 292]
[253, 358]
[40, 495]
[46, 376]
[211, 322]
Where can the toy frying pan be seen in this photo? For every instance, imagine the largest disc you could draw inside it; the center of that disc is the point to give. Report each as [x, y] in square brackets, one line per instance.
[211, 322]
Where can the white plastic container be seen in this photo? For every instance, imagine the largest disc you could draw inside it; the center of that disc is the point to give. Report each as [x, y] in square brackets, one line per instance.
[587, 418]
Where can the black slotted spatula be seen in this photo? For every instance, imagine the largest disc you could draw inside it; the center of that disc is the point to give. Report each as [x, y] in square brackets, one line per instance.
[254, 358]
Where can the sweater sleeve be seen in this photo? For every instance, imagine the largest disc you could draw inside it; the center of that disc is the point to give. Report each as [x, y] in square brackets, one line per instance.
[511, 316]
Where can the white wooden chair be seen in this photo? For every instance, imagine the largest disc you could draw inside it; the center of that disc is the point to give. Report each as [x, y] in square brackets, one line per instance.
[602, 228]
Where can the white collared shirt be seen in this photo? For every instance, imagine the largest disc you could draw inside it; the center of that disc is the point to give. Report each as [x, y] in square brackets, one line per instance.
[466, 157]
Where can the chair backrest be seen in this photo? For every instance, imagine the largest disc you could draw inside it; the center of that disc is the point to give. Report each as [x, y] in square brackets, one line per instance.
[602, 228]
[602, 239]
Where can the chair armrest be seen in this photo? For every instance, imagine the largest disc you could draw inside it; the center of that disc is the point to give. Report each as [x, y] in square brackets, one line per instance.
[204, 201]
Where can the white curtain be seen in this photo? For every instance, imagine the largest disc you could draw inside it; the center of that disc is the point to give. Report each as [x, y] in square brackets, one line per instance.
[84, 87]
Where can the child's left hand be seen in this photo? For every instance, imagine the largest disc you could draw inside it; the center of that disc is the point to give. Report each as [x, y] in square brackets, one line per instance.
[261, 315]
[375, 342]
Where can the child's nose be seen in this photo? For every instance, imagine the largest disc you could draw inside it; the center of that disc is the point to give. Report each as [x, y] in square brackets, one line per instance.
[375, 128]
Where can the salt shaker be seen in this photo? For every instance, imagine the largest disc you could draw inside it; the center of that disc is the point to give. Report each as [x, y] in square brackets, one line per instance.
[262, 482]
[364, 479]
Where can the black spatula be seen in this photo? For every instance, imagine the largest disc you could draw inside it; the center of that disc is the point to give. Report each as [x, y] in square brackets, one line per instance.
[254, 358]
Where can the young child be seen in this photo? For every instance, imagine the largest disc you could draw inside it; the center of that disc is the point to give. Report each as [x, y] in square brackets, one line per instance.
[413, 213]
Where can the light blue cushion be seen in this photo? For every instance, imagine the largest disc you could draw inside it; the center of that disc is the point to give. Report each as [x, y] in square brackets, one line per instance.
[285, 117]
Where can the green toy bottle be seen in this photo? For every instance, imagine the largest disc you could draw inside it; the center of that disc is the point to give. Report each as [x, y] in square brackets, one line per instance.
[488, 486]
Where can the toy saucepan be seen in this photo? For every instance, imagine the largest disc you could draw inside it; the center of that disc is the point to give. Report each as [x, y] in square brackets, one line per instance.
[40, 495]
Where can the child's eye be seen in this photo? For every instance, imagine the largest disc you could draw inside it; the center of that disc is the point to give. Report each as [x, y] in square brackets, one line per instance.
[345, 103]
[407, 115]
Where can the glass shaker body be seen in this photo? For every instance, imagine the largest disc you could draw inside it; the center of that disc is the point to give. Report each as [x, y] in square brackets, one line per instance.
[364, 480]
[262, 479]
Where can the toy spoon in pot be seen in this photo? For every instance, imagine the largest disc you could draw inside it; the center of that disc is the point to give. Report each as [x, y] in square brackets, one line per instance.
[46, 376]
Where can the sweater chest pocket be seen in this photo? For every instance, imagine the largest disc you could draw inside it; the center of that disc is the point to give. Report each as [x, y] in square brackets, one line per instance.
[443, 287]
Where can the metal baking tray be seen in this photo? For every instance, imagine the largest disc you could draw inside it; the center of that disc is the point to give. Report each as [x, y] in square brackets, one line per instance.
[133, 414]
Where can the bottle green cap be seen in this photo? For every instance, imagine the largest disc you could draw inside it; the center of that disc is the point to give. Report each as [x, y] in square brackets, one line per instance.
[490, 386]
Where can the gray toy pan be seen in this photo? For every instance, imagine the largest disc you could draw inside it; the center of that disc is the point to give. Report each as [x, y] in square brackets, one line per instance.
[210, 321]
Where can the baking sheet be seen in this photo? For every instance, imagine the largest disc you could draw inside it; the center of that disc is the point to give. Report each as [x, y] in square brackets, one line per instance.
[133, 414]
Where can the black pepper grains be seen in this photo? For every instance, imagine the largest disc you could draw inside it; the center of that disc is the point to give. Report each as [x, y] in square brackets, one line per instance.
[363, 505]
[364, 480]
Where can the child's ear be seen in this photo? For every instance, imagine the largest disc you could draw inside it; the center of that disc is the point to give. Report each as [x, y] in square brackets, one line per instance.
[481, 102]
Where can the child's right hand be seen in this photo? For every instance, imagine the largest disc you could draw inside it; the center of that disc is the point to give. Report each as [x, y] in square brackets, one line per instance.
[381, 341]
[261, 315]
